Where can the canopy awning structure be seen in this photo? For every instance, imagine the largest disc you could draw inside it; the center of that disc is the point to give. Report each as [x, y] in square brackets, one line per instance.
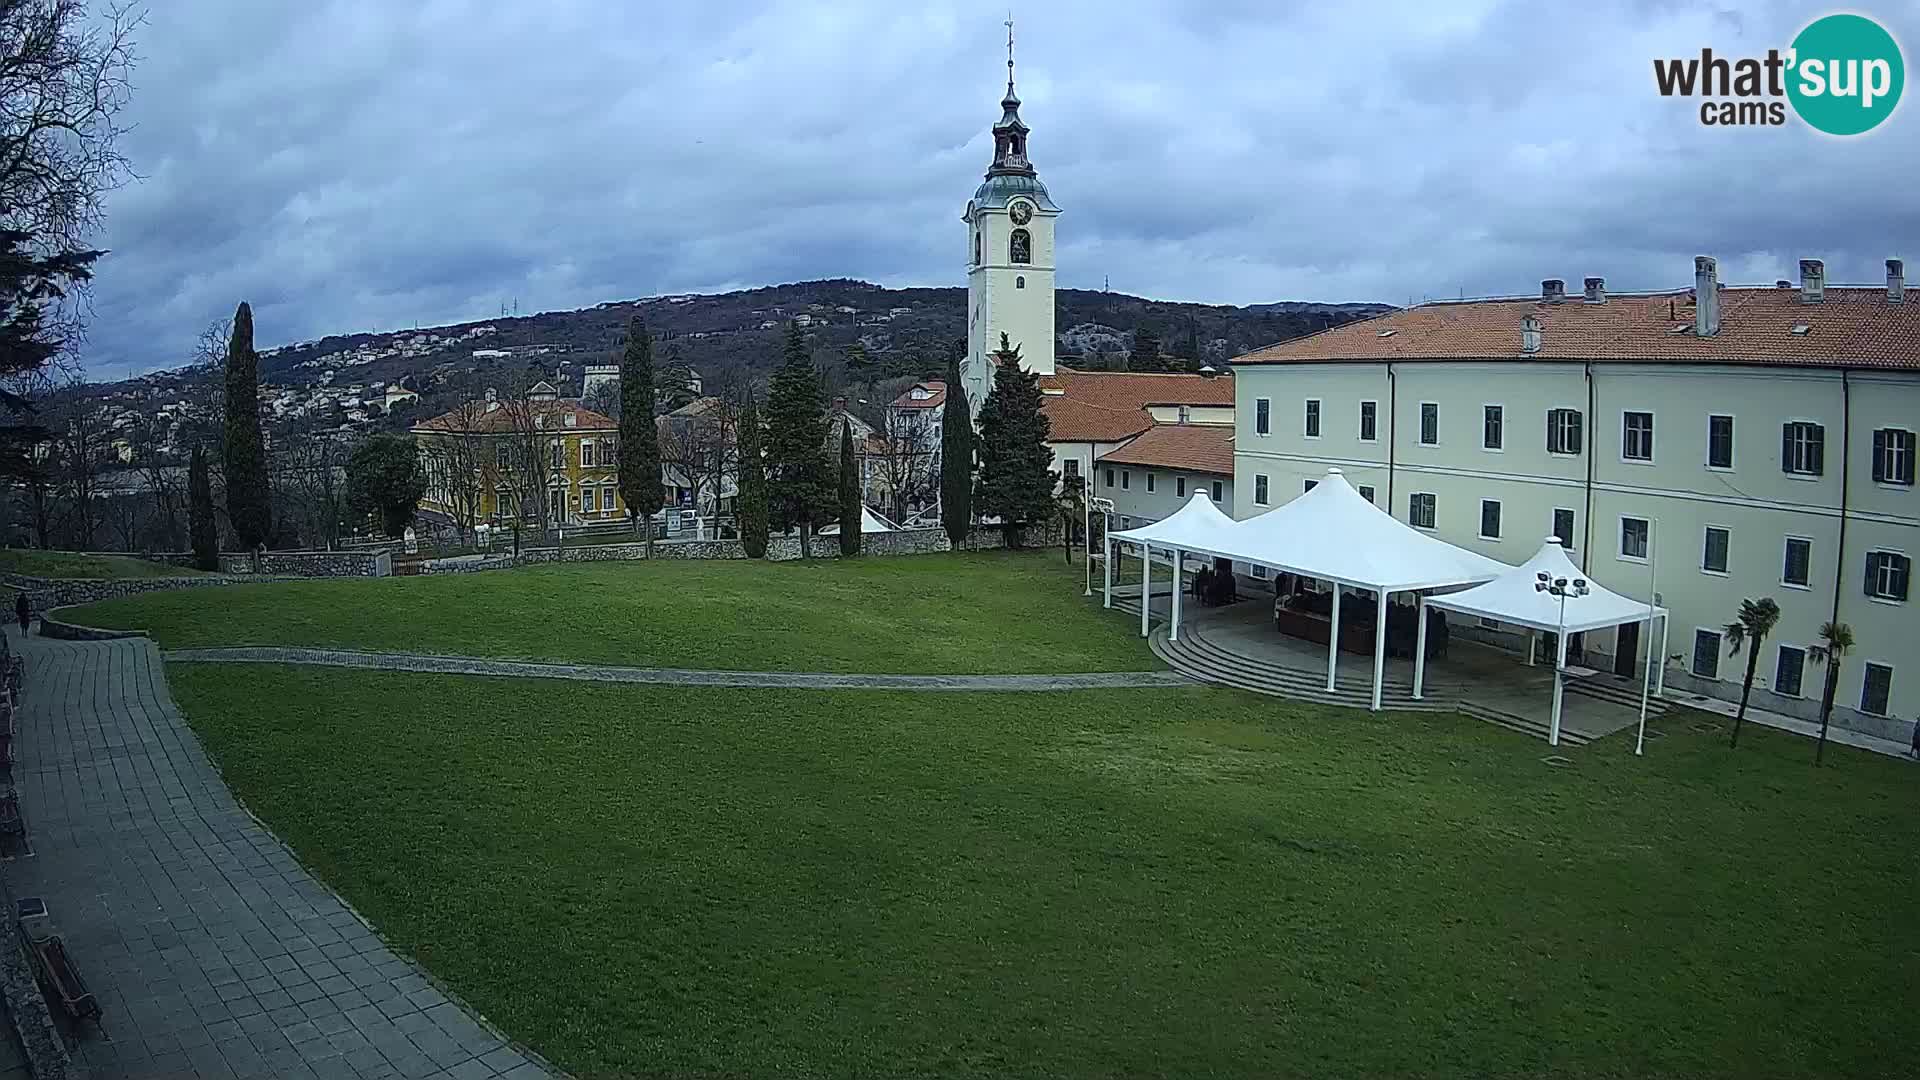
[1331, 533]
[1549, 593]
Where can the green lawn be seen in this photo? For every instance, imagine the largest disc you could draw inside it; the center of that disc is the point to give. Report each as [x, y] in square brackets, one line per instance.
[975, 613]
[68, 564]
[656, 881]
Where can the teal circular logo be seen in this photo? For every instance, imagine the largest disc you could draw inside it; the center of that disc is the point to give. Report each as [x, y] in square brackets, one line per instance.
[1846, 74]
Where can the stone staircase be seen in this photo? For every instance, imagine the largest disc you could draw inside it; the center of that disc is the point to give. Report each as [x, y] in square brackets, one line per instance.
[1197, 658]
[1619, 691]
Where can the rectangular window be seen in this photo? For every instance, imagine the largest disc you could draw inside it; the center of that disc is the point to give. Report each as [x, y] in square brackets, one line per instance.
[559, 454]
[1887, 574]
[1313, 418]
[1070, 467]
[1713, 556]
[1422, 510]
[1259, 571]
[1492, 424]
[606, 497]
[1875, 688]
[586, 454]
[1706, 653]
[1893, 457]
[1719, 442]
[1563, 431]
[1563, 527]
[500, 455]
[1309, 486]
[1262, 416]
[1260, 489]
[1149, 482]
[1369, 420]
[1218, 491]
[1636, 436]
[1366, 492]
[1429, 423]
[1789, 670]
[1803, 448]
[1109, 478]
[586, 500]
[1180, 487]
[1126, 479]
[1799, 562]
[1489, 519]
[1633, 538]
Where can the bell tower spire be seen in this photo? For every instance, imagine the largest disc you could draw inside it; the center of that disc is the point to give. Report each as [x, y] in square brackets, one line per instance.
[1010, 134]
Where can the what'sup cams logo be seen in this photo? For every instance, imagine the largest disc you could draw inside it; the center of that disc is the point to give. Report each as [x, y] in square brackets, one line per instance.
[1843, 75]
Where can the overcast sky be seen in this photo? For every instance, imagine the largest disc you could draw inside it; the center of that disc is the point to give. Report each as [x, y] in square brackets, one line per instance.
[363, 164]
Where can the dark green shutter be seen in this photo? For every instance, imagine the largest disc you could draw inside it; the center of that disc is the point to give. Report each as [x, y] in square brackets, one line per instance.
[1880, 456]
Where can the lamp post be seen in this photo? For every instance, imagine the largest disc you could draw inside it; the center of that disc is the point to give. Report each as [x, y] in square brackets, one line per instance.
[1562, 588]
[1105, 506]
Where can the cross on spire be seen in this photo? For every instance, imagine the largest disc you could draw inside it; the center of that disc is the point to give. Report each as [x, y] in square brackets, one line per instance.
[1009, 52]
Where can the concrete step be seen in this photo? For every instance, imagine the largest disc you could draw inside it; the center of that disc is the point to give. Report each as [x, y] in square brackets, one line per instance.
[1355, 672]
[1616, 691]
[1524, 725]
[1197, 664]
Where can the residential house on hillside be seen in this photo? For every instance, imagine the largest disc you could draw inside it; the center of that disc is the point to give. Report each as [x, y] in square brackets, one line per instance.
[1739, 442]
[499, 460]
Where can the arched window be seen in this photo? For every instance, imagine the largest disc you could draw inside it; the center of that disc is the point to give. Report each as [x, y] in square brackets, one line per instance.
[976, 247]
[1020, 282]
[1021, 247]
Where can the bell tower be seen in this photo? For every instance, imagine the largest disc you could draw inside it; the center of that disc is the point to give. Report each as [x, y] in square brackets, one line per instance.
[1009, 255]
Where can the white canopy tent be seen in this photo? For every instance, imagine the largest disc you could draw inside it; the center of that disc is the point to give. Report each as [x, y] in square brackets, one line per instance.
[1549, 593]
[1192, 528]
[1331, 533]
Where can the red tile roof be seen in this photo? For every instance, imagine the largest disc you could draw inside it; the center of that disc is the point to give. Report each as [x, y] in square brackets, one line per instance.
[1850, 327]
[1107, 406]
[499, 421]
[936, 400]
[1204, 448]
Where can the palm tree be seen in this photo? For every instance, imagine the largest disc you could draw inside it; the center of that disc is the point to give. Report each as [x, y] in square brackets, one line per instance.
[1756, 621]
[1836, 641]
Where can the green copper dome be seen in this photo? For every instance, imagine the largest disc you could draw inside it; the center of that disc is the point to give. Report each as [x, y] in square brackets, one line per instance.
[1000, 189]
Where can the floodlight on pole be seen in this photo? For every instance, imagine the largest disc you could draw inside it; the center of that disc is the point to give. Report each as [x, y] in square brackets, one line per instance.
[1561, 588]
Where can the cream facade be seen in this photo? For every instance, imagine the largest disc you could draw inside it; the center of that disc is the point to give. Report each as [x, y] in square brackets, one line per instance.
[1701, 477]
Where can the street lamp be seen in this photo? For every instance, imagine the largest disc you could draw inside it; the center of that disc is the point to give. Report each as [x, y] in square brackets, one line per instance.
[1562, 588]
[1087, 507]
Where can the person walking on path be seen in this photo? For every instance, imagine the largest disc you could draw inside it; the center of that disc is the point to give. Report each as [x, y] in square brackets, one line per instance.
[23, 608]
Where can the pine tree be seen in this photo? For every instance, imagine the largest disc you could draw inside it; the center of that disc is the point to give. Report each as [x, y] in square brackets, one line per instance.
[751, 505]
[1146, 351]
[248, 503]
[1189, 348]
[200, 522]
[1016, 482]
[639, 437]
[800, 488]
[385, 479]
[956, 457]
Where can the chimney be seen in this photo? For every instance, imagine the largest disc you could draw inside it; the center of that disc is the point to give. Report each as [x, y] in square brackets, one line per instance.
[1596, 290]
[1896, 281]
[1553, 290]
[1530, 335]
[1813, 281]
[1706, 296]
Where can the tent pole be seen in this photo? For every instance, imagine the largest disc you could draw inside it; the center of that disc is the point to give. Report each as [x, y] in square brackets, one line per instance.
[1533, 645]
[1559, 682]
[1146, 586]
[1173, 631]
[1646, 685]
[1420, 652]
[1106, 571]
[1333, 638]
[1379, 643]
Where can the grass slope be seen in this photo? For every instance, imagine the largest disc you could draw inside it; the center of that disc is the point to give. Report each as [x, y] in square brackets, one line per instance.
[986, 613]
[69, 564]
[701, 882]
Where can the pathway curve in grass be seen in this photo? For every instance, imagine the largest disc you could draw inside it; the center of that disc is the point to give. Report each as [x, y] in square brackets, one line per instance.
[525, 669]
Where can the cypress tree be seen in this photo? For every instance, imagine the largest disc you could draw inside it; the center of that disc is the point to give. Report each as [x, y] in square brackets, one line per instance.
[851, 504]
[751, 504]
[248, 504]
[800, 486]
[1146, 351]
[200, 522]
[1016, 481]
[639, 437]
[956, 457]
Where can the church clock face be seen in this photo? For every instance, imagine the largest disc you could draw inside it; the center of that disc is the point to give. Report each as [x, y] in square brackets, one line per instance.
[1022, 212]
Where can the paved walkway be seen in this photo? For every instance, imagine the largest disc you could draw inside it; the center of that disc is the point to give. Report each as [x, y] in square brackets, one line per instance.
[469, 665]
[212, 952]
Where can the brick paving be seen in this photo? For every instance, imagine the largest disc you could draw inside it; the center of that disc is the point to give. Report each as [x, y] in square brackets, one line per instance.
[212, 951]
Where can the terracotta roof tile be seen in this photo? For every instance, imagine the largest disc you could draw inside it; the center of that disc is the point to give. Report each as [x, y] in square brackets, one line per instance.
[1107, 406]
[1851, 327]
[1072, 420]
[500, 421]
[1204, 448]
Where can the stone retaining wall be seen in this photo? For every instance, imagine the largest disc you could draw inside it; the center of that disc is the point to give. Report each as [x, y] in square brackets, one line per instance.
[304, 564]
[48, 593]
[779, 549]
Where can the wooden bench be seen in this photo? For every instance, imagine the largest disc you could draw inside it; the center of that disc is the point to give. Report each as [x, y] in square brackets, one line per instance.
[60, 978]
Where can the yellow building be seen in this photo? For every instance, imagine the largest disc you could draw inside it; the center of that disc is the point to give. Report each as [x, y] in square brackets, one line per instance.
[489, 460]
